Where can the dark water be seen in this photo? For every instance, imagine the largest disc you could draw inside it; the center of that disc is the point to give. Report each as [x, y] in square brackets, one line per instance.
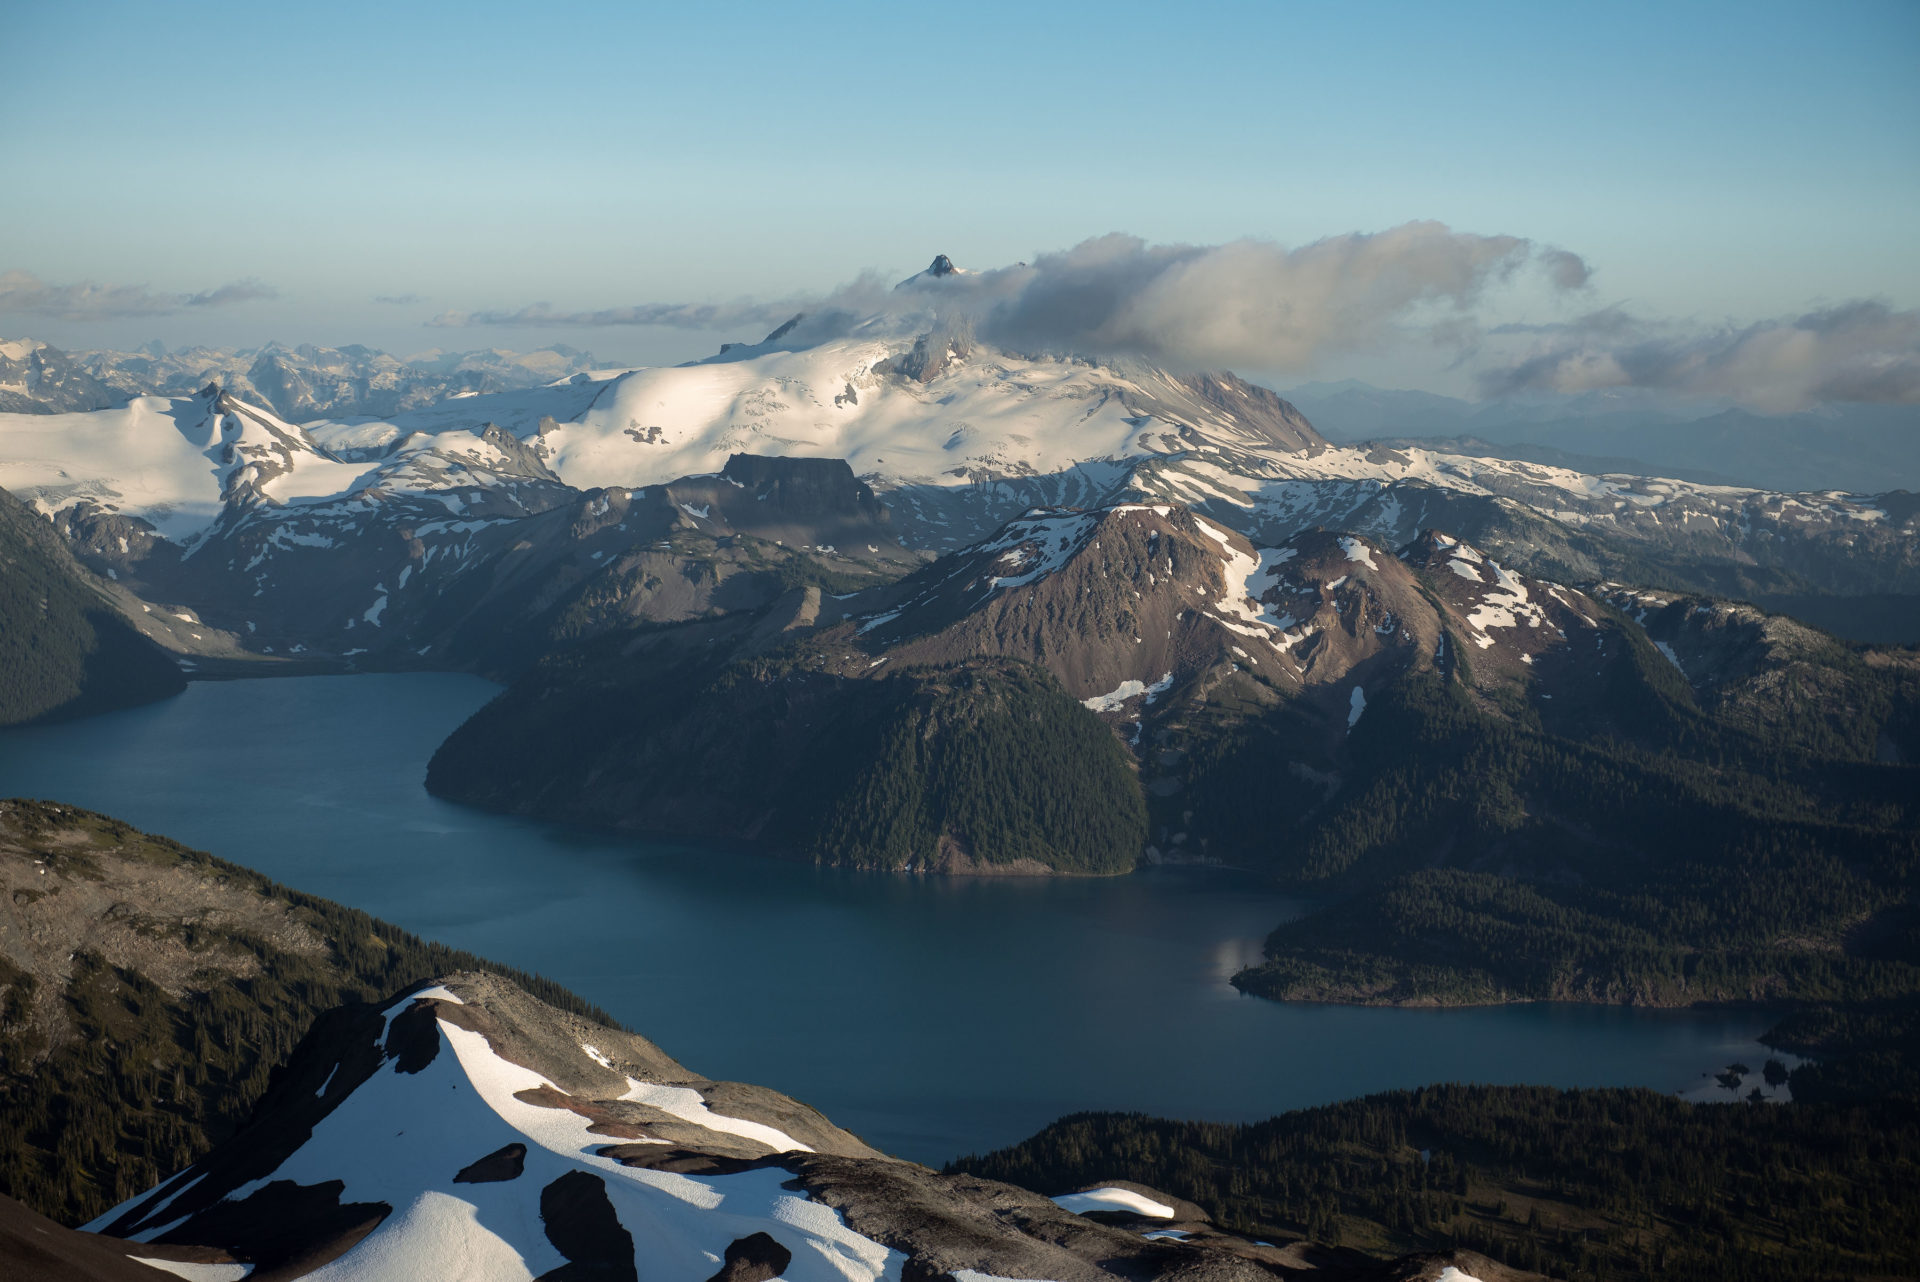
[934, 1017]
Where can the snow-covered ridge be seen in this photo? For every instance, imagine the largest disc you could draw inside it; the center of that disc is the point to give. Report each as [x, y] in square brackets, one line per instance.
[466, 1131]
[995, 424]
[954, 449]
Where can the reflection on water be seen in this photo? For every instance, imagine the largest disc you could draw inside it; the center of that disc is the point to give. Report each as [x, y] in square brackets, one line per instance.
[934, 1016]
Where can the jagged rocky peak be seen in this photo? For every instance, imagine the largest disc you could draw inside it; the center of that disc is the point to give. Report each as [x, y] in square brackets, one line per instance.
[518, 458]
[466, 1121]
[785, 328]
[941, 266]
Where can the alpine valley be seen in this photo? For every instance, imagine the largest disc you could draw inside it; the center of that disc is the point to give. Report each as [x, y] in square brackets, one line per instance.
[872, 594]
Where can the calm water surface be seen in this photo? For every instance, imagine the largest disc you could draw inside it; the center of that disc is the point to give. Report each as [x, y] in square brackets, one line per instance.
[934, 1017]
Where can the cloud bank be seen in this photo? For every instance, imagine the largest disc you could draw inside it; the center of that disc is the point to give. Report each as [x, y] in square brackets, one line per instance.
[1856, 351]
[1253, 303]
[1249, 302]
[1268, 309]
[22, 293]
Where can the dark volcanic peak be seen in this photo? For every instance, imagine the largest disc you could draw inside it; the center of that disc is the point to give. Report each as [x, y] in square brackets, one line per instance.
[939, 267]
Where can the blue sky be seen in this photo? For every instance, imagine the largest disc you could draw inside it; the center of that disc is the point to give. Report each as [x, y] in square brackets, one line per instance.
[1710, 162]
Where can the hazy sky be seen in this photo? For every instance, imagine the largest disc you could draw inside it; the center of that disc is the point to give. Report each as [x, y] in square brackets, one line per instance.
[1713, 165]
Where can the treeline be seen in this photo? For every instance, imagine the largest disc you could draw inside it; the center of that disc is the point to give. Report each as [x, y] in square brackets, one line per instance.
[1596, 1184]
[148, 1081]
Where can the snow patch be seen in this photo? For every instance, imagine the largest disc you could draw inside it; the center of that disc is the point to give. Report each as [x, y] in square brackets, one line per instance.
[1356, 704]
[196, 1272]
[1115, 698]
[1113, 1199]
[688, 1105]
[1506, 607]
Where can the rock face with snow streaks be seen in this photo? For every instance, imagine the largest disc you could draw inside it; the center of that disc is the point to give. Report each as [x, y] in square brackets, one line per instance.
[1211, 661]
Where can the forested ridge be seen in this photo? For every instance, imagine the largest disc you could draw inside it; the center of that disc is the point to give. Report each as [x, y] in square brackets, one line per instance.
[144, 1081]
[1480, 858]
[64, 651]
[980, 765]
[1591, 1185]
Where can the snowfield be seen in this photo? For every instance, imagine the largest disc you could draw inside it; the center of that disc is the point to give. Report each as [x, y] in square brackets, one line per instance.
[400, 1138]
[1114, 1199]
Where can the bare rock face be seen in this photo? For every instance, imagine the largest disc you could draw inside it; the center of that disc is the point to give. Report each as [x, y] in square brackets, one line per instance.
[805, 489]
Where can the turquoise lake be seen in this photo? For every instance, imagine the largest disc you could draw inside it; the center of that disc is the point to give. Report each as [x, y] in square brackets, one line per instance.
[932, 1016]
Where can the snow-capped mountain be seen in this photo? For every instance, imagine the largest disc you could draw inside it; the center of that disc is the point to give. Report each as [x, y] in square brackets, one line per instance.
[467, 1130]
[240, 516]
[957, 437]
[37, 379]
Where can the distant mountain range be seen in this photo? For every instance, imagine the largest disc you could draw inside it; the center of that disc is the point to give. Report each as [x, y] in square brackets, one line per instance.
[1860, 448]
[296, 383]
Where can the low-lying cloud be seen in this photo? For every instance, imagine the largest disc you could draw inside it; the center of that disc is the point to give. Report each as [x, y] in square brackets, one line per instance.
[704, 316]
[1265, 308]
[1862, 351]
[1251, 303]
[24, 294]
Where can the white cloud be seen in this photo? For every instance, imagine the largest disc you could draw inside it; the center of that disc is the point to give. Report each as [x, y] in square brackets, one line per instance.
[1856, 351]
[24, 294]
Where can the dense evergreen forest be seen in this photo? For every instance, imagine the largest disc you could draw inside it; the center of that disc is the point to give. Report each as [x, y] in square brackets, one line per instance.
[974, 765]
[147, 1081]
[1479, 858]
[1592, 1186]
[64, 651]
